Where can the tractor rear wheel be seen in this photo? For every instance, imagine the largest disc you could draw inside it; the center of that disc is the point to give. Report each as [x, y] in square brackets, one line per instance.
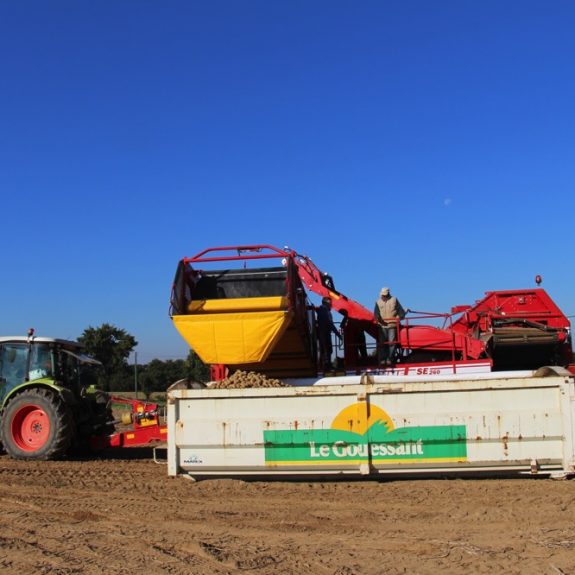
[36, 425]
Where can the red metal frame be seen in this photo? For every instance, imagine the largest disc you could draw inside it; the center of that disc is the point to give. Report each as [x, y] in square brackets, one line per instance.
[255, 248]
[312, 277]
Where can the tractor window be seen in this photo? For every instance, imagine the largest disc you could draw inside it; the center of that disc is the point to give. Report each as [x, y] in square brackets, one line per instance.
[13, 360]
[68, 368]
[40, 362]
[75, 369]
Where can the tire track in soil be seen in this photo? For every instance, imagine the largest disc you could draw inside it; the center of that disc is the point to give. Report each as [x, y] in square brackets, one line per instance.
[120, 516]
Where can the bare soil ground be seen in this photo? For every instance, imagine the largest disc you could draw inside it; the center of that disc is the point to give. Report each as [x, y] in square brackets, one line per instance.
[122, 514]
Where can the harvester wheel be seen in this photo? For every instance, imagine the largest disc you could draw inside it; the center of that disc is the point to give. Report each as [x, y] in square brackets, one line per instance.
[36, 425]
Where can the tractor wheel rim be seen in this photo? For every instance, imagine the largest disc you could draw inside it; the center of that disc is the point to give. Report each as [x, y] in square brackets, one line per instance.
[30, 428]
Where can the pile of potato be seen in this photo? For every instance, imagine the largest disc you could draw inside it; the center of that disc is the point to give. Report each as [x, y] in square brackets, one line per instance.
[242, 379]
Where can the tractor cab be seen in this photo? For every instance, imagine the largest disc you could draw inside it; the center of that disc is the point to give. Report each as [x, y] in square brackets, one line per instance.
[46, 360]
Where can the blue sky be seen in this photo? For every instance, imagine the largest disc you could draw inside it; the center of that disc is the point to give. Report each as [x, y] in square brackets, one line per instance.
[428, 146]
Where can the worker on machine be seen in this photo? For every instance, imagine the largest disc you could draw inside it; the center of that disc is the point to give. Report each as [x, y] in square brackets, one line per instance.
[388, 312]
[325, 327]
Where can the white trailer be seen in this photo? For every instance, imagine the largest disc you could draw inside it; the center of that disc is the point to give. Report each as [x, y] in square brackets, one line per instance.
[378, 426]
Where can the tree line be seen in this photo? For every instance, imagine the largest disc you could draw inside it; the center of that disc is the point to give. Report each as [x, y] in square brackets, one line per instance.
[112, 346]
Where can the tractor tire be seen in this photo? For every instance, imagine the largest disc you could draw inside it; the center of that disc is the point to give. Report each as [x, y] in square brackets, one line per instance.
[36, 424]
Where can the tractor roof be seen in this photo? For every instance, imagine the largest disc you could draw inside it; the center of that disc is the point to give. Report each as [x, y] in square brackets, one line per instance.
[72, 348]
[25, 339]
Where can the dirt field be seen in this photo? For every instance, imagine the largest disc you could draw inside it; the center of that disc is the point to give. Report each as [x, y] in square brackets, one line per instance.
[116, 515]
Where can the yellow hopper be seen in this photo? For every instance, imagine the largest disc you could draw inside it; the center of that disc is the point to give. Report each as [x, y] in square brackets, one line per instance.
[235, 330]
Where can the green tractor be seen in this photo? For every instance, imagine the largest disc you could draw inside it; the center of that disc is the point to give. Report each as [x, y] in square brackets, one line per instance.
[46, 407]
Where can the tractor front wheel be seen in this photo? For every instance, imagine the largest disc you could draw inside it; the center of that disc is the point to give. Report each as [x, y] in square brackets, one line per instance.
[36, 425]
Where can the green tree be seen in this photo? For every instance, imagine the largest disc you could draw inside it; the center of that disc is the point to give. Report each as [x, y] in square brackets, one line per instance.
[197, 370]
[112, 346]
[122, 380]
[158, 375]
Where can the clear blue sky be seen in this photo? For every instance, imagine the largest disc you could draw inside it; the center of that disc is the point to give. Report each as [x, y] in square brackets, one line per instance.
[428, 146]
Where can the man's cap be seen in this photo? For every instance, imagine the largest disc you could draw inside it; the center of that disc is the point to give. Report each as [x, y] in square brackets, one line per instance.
[384, 291]
[326, 299]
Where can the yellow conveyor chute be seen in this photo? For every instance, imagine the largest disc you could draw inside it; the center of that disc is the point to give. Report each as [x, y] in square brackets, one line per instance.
[234, 330]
